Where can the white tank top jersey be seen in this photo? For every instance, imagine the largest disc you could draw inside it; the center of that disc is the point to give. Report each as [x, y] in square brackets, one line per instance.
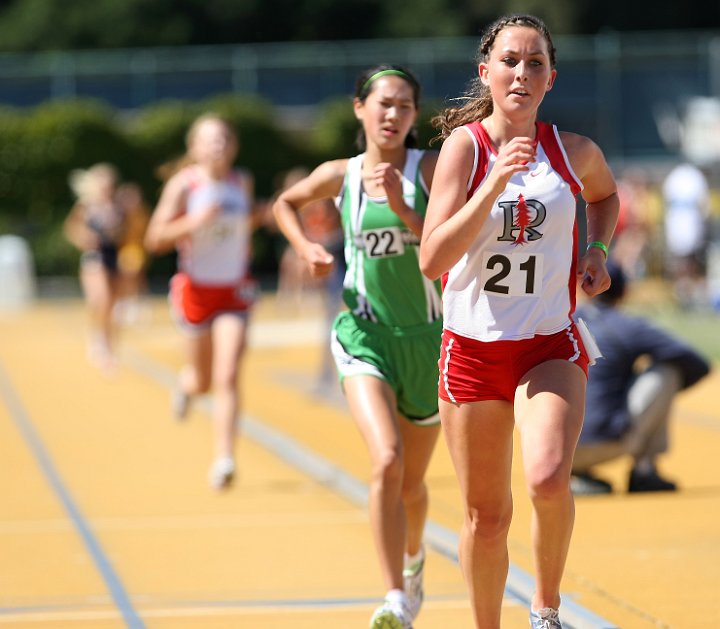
[517, 279]
[217, 254]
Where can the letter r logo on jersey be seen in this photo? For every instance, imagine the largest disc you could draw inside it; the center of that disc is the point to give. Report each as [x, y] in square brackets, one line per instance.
[521, 219]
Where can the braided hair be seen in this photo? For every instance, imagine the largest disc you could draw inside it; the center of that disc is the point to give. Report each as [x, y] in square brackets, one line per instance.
[477, 99]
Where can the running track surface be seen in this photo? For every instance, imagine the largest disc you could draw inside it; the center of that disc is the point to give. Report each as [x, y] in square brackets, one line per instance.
[107, 520]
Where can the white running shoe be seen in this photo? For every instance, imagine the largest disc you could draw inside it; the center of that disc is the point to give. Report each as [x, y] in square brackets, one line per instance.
[545, 618]
[101, 356]
[180, 403]
[413, 584]
[222, 472]
[395, 615]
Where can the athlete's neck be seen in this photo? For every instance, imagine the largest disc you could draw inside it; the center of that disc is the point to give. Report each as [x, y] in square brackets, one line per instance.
[501, 130]
[375, 156]
[217, 172]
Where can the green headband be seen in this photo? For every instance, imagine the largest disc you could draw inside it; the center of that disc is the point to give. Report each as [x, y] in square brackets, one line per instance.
[377, 75]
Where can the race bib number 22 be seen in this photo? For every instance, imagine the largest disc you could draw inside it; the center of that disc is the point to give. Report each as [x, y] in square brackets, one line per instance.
[383, 243]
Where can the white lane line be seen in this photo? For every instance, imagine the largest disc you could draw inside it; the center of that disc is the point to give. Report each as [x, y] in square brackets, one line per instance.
[26, 427]
[444, 541]
[199, 609]
[207, 521]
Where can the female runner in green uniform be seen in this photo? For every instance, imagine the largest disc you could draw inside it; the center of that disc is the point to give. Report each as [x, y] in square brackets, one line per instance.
[386, 344]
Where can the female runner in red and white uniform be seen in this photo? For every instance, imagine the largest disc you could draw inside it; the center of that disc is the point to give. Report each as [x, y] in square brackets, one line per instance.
[500, 230]
[205, 212]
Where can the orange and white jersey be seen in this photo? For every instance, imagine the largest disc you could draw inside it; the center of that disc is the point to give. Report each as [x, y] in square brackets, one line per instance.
[517, 279]
[218, 253]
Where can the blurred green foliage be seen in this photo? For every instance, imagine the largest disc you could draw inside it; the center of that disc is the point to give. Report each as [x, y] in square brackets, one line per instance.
[39, 148]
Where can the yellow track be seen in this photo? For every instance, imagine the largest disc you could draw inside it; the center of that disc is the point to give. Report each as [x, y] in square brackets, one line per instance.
[106, 518]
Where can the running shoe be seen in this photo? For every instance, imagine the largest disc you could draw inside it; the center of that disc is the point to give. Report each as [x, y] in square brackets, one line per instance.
[100, 355]
[413, 584]
[395, 615]
[545, 618]
[180, 403]
[222, 472]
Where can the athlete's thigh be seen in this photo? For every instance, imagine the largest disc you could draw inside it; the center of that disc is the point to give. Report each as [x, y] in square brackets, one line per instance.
[479, 436]
[415, 363]
[228, 341]
[549, 410]
[199, 353]
[95, 281]
[372, 406]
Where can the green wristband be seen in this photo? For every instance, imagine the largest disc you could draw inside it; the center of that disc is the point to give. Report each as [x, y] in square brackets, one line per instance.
[600, 245]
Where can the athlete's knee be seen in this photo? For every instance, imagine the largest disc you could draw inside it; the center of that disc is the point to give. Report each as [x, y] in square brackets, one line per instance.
[203, 382]
[414, 491]
[488, 523]
[388, 465]
[547, 482]
[203, 386]
[225, 381]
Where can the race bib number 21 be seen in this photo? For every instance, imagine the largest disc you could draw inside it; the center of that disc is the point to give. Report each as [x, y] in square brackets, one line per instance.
[512, 275]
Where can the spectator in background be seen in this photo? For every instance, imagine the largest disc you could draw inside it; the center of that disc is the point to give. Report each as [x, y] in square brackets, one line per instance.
[630, 392]
[634, 233]
[686, 197]
[98, 226]
[206, 212]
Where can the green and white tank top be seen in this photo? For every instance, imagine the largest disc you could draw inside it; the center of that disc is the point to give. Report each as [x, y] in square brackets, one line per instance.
[383, 282]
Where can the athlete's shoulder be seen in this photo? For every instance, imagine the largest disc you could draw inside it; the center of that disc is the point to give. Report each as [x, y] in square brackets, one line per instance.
[578, 146]
[585, 156]
[461, 143]
[332, 169]
[325, 181]
[183, 180]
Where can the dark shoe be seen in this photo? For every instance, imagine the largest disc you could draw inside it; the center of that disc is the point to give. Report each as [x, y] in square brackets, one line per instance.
[649, 482]
[588, 485]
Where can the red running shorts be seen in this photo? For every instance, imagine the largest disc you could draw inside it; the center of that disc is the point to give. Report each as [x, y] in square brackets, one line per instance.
[473, 371]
